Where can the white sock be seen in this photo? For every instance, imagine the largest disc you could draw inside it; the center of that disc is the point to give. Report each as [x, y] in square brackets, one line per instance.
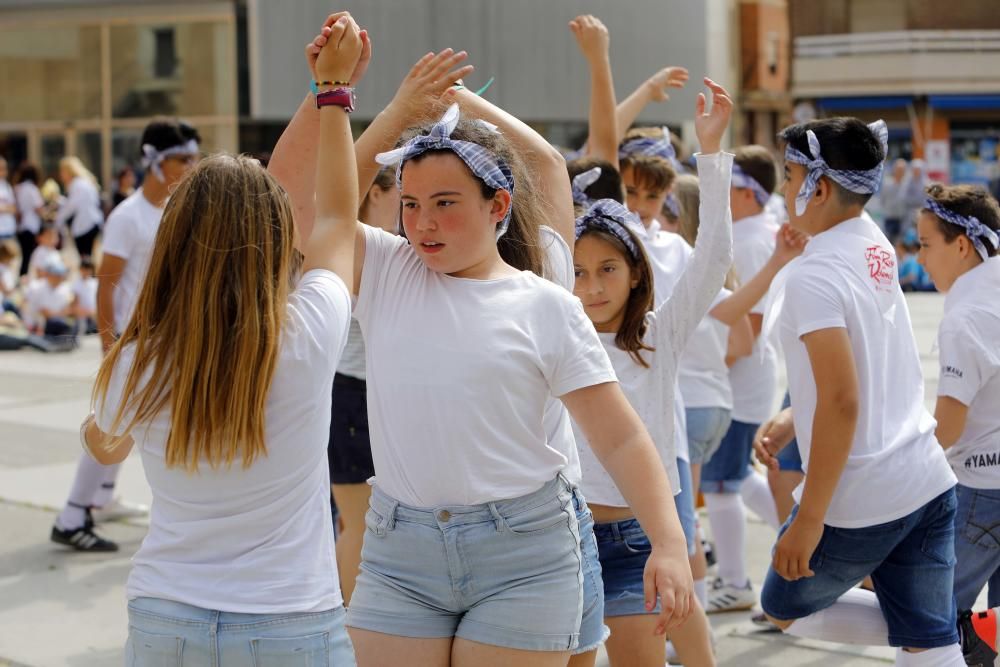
[107, 488]
[855, 618]
[757, 496]
[89, 476]
[701, 592]
[729, 518]
[944, 656]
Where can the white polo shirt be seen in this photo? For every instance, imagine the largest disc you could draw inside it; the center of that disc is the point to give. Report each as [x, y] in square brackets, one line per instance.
[847, 278]
[754, 378]
[703, 374]
[668, 256]
[968, 340]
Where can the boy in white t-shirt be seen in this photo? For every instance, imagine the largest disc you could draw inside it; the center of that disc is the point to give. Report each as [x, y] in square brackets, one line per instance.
[878, 497]
[45, 251]
[726, 478]
[85, 298]
[48, 303]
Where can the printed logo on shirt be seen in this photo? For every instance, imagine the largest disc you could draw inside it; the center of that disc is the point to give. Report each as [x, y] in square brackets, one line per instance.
[952, 372]
[982, 460]
[881, 267]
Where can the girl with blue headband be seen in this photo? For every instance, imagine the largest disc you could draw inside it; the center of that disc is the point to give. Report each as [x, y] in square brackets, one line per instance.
[878, 497]
[614, 280]
[472, 553]
[958, 232]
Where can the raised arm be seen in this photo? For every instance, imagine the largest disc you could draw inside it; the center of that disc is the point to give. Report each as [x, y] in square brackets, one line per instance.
[789, 245]
[653, 89]
[678, 316]
[592, 38]
[548, 164]
[330, 245]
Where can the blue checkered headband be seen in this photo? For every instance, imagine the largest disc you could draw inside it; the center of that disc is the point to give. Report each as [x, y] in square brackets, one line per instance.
[975, 230]
[741, 179]
[861, 182]
[484, 164]
[581, 182]
[609, 216]
[654, 146]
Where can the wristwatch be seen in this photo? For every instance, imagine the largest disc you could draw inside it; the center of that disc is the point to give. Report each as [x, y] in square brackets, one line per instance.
[340, 97]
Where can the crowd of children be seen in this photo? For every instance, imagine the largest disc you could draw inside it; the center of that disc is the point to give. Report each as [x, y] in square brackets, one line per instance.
[531, 380]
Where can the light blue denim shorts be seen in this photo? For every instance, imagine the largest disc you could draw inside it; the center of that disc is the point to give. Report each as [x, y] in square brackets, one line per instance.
[705, 429]
[593, 632]
[507, 573]
[164, 633]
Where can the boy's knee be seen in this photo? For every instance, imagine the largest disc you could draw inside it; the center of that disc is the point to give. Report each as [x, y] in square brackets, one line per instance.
[782, 625]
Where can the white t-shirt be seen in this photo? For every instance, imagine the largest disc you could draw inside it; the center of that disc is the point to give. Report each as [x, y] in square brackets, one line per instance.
[82, 205]
[255, 540]
[8, 221]
[703, 374]
[29, 200]
[352, 362]
[754, 379]
[40, 295]
[41, 256]
[668, 328]
[130, 234]
[668, 257]
[459, 371]
[85, 291]
[968, 340]
[8, 279]
[847, 278]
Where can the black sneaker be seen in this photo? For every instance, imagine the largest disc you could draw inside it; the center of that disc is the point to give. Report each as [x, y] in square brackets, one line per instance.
[978, 631]
[82, 539]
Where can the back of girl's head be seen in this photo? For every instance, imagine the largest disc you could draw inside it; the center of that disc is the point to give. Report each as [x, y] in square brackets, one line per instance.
[689, 199]
[209, 316]
[970, 201]
[75, 166]
[758, 162]
[27, 173]
[385, 180]
[652, 172]
[607, 186]
[519, 247]
[845, 144]
[640, 300]
[164, 133]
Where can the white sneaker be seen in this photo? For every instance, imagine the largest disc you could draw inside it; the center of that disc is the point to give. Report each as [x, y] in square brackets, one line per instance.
[118, 509]
[725, 597]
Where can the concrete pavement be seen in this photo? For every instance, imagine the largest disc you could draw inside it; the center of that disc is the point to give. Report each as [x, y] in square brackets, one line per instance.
[63, 609]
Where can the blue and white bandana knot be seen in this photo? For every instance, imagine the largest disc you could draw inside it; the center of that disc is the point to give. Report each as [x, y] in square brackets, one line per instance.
[975, 230]
[581, 182]
[609, 216]
[741, 179]
[153, 158]
[653, 146]
[489, 168]
[862, 182]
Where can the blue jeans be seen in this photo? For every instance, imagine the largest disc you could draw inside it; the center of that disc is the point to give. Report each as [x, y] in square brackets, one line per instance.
[163, 633]
[977, 545]
[730, 465]
[705, 429]
[911, 561]
[506, 573]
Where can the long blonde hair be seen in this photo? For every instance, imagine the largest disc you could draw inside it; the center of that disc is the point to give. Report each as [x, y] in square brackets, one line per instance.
[207, 324]
[75, 166]
[689, 197]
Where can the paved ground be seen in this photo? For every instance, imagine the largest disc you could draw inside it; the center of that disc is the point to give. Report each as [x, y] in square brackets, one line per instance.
[61, 609]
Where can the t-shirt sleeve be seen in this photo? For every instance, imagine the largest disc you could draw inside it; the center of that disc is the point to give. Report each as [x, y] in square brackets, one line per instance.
[381, 248]
[575, 358]
[106, 407]
[813, 302]
[558, 258]
[321, 304]
[749, 258]
[963, 362]
[118, 239]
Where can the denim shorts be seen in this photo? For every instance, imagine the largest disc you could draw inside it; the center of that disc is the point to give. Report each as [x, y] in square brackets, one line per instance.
[507, 573]
[911, 561]
[593, 632]
[789, 458]
[730, 465]
[977, 546]
[685, 506]
[705, 430]
[624, 550]
[163, 633]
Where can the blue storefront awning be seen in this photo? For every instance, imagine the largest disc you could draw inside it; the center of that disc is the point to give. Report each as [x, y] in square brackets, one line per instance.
[964, 101]
[864, 103]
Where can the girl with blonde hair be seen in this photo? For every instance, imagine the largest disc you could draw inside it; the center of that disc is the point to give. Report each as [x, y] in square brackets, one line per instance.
[222, 379]
[81, 211]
